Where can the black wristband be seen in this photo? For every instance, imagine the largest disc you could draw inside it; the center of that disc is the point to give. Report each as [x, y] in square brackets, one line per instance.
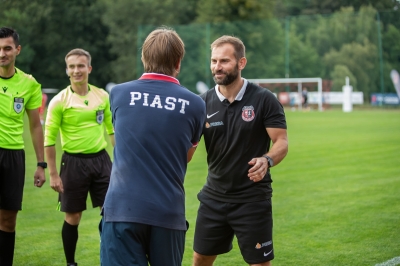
[42, 164]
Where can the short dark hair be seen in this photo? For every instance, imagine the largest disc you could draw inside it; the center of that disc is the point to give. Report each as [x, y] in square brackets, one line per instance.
[6, 32]
[240, 50]
[162, 50]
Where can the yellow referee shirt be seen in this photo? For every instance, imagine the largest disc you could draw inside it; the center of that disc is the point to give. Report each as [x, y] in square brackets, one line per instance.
[80, 119]
[18, 93]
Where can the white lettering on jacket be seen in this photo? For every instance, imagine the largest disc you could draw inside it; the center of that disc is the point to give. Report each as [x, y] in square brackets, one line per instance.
[156, 102]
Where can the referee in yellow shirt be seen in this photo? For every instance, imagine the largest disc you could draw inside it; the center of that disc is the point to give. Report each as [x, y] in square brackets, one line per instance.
[80, 113]
[19, 92]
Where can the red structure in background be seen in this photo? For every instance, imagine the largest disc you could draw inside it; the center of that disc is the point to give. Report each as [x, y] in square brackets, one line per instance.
[293, 87]
[282, 89]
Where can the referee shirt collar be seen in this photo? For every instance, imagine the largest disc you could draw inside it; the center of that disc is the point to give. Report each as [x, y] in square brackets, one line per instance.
[239, 96]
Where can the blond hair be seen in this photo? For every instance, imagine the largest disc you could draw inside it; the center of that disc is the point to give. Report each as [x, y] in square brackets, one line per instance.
[79, 52]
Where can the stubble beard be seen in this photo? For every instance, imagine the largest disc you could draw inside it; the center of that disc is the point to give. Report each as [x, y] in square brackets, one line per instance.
[5, 63]
[229, 77]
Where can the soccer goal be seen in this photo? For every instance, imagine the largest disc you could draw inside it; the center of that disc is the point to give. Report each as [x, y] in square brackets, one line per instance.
[299, 81]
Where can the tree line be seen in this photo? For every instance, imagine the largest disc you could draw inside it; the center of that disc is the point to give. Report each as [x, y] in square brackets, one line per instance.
[293, 38]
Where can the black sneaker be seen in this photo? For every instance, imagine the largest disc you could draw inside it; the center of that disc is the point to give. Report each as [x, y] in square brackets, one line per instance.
[72, 264]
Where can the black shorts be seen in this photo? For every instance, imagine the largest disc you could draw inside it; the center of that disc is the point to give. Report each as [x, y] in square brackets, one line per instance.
[83, 173]
[218, 222]
[12, 179]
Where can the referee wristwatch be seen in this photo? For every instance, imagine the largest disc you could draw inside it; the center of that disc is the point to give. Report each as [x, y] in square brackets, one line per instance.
[269, 159]
[42, 164]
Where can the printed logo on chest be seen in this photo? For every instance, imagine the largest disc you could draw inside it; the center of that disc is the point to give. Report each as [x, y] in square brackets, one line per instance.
[248, 113]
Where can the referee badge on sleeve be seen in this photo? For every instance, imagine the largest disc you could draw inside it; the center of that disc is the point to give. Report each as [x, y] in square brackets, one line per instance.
[18, 104]
[100, 116]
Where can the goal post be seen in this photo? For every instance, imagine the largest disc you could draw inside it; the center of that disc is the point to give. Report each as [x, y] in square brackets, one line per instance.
[299, 81]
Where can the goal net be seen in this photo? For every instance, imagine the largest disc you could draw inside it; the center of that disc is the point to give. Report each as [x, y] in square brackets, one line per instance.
[290, 91]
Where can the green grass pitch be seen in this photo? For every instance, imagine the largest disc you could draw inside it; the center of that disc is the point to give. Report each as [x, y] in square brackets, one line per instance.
[336, 197]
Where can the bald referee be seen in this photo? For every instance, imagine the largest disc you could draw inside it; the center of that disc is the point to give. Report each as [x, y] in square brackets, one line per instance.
[80, 112]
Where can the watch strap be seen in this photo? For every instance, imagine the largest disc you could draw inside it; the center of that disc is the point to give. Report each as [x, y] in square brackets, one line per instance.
[42, 164]
[269, 159]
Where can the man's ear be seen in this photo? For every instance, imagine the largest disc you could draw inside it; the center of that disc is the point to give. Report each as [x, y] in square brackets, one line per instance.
[178, 66]
[19, 48]
[242, 63]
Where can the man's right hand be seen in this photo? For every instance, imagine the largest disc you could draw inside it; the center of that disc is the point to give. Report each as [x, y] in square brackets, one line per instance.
[56, 183]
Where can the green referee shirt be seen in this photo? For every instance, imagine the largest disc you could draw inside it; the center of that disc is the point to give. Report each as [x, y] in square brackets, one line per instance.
[80, 120]
[18, 93]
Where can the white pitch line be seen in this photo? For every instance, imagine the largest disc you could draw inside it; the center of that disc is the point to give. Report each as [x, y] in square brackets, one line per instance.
[392, 262]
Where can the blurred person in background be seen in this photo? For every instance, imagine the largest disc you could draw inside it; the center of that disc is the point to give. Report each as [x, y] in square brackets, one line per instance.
[304, 94]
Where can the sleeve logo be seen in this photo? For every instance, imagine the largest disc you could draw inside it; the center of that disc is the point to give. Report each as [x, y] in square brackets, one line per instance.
[18, 105]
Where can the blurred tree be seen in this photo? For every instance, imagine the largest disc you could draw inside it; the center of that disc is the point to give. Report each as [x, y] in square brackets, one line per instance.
[23, 16]
[361, 60]
[339, 74]
[264, 41]
[113, 32]
[290, 7]
[68, 25]
[125, 19]
[304, 60]
[247, 20]
[350, 39]
[391, 54]
[49, 29]
[343, 27]
[309, 7]
[391, 46]
[234, 10]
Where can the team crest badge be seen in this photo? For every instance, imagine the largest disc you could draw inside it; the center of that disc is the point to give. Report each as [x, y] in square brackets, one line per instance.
[100, 116]
[18, 105]
[248, 113]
